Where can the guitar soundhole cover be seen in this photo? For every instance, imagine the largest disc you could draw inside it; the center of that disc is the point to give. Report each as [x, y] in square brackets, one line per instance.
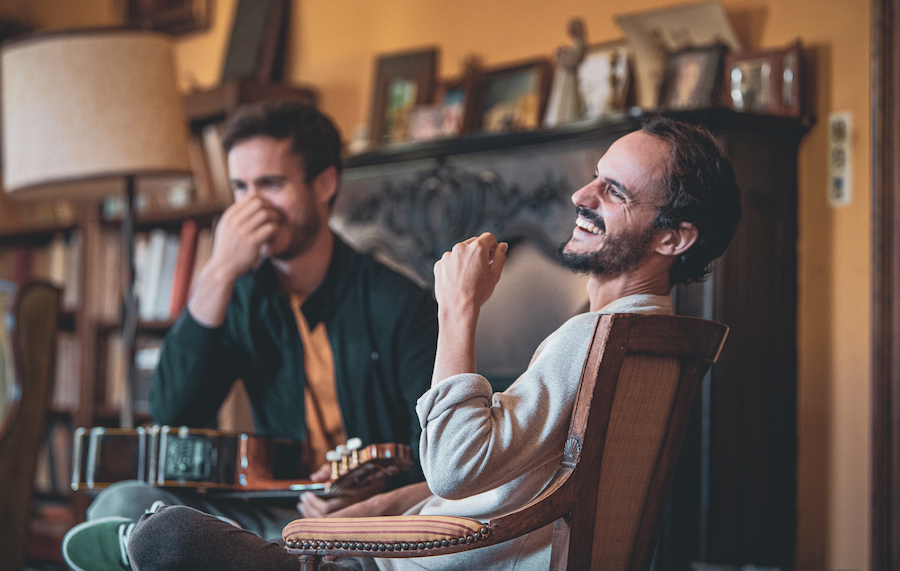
[188, 459]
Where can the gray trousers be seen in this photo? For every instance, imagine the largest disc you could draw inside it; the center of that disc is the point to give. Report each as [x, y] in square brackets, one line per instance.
[179, 538]
[266, 518]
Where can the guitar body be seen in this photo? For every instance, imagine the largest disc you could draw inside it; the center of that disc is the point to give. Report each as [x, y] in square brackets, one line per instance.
[232, 463]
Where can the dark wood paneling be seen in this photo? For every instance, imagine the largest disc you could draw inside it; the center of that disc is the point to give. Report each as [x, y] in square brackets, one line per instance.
[885, 519]
[738, 475]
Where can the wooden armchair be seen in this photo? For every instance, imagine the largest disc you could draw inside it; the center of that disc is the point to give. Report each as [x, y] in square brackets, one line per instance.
[29, 338]
[606, 501]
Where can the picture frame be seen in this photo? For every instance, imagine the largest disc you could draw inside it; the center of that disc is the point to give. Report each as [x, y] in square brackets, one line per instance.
[427, 123]
[514, 98]
[765, 81]
[693, 78]
[652, 34]
[173, 16]
[403, 81]
[604, 79]
[258, 36]
[791, 77]
[458, 98]
[752, 82]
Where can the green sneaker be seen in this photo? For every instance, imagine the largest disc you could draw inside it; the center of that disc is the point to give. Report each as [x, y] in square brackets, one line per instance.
[98, 545]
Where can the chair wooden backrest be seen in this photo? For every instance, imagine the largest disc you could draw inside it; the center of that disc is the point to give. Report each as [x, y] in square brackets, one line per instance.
[31, 339]
[606, 500]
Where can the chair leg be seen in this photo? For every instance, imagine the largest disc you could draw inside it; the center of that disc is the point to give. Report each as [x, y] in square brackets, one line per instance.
[310, 562]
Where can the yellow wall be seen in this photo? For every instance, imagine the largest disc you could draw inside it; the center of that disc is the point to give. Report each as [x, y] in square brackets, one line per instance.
[332, 46]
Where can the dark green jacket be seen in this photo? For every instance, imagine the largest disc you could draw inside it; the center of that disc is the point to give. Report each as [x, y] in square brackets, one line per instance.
[383, 334]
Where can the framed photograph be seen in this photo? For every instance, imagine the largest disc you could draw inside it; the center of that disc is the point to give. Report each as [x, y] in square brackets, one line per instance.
[692, 78]
[765, 81]
[172, 16]
[752, 81]
[654, 33]
[427, 123]
[514, 98]
[458, 98]
[604, 78]
[791, 65]
[403, 81]
[256, 46]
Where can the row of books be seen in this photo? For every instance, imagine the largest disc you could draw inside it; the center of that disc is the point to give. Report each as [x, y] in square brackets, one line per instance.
[26, 215]
[166, 264]
[145, 359]
[58, 261]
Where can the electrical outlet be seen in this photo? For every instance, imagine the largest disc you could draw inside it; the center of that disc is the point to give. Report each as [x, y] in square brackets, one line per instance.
[840, 130]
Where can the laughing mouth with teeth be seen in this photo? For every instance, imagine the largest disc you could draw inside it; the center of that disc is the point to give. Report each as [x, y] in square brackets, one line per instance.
[590, 221]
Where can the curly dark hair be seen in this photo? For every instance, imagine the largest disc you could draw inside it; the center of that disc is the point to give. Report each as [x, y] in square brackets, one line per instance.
[700, 188]
[313, 135]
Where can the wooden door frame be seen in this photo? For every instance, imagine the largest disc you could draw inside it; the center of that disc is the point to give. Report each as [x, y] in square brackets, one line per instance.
[885, 518]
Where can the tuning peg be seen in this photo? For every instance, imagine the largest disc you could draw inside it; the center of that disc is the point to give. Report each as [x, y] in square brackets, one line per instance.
[334, 457]
[345, 458]
[354, 444]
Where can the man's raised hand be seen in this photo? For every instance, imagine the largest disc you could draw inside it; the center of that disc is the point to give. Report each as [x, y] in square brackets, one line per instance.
[465, 277]
[241, 233]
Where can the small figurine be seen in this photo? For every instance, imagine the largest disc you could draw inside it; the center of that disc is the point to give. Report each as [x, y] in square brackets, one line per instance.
[565, 102]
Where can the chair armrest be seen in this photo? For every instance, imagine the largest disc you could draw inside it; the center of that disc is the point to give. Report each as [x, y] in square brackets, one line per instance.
[423, 535]
[387, 536]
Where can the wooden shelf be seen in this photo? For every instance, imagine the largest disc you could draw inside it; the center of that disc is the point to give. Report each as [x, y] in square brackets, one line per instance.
[214, 104]
[145, 327]
[11, 236]
[202, 212]
[613, 125]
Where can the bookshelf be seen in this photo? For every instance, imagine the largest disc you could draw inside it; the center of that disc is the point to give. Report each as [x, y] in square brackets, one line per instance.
[160, 226]
[77, 246]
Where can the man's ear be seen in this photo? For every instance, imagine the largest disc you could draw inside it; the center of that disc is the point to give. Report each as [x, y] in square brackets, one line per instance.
[678, 241]
[325, 185]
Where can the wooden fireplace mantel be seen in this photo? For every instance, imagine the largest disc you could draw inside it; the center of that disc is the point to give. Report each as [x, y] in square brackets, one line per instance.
[733, 503]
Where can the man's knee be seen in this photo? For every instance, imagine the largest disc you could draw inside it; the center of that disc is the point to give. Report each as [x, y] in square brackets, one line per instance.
[179, 537]
[165, 537]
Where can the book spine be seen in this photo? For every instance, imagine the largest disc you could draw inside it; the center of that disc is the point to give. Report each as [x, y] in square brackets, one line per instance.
[184, 267]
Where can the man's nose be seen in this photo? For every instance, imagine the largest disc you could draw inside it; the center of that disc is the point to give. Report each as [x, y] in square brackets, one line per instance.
[585, 198]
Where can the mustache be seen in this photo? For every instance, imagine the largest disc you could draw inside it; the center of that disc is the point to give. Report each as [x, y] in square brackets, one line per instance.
[593, 216]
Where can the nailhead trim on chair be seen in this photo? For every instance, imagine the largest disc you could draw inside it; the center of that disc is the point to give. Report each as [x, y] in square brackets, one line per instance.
[404, 546]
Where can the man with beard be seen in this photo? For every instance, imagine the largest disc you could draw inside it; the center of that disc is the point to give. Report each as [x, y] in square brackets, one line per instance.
[663, 205]
[329, 343]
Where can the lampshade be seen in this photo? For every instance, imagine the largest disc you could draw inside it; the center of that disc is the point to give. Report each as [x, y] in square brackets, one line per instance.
[82, 110]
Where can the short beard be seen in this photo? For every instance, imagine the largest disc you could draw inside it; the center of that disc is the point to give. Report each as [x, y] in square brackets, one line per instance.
[620, 253]
[302, 238]
[303, 233]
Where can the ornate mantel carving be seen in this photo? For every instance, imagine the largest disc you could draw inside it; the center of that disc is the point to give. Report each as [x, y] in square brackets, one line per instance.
[415, 219]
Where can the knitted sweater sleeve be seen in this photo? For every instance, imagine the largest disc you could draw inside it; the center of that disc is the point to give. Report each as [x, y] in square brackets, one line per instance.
[474, 440]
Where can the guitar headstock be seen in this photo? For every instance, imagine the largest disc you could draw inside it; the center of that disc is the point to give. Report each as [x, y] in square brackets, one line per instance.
[355, 465]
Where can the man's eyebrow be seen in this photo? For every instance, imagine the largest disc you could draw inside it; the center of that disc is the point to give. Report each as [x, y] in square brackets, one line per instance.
[271, 178]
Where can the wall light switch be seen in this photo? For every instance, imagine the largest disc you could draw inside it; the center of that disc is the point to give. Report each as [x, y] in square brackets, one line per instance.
[840, 130]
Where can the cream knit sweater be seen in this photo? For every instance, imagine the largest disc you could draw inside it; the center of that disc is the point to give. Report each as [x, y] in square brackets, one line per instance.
[485, 453]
